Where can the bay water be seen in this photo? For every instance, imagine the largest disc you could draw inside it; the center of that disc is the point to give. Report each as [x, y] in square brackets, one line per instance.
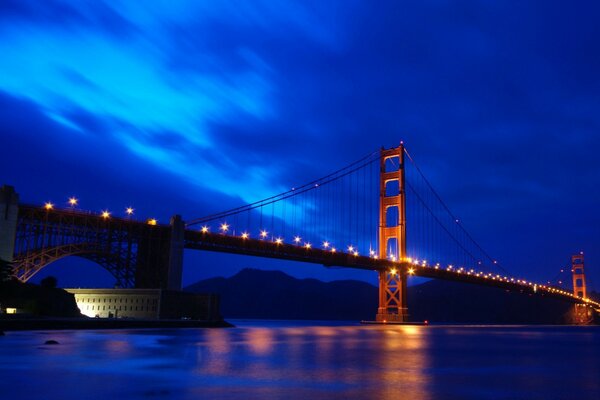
[304, 360]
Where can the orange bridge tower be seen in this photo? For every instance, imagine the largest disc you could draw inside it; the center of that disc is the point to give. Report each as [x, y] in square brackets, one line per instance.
[579, 287]
[392, 236]
[582, 313]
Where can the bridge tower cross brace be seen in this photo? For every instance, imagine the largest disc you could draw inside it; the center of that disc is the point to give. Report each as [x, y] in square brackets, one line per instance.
[392, 283]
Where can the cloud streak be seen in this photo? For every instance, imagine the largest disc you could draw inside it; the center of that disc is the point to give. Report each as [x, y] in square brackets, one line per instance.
[131, 84]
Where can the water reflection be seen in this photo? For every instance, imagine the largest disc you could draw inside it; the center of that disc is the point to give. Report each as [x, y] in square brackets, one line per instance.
[213, 355]
[404, 361]
[356, 360]
[118, 347]
[273, 361]
[260, 341]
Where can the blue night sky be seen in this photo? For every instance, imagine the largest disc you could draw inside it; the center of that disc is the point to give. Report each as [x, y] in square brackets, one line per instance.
[192, 107]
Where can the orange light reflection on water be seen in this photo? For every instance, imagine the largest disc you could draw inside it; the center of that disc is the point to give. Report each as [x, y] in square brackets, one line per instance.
[213, 356]
[404, 359]
[260, 341]
[391, 361]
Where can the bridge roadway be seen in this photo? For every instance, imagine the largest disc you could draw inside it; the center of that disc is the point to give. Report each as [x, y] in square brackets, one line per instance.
[226, 243]
[270, 249]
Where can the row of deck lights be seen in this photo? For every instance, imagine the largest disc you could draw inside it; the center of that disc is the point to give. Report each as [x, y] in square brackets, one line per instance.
[500, 278]
[224, 228]
[74, 202]
[497, 277]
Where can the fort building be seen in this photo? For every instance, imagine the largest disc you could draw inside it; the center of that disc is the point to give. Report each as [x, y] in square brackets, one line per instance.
[146, 304]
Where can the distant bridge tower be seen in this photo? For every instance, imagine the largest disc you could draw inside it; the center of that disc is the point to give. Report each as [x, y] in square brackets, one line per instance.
[392, 235]
[579, 287]
[582, 313]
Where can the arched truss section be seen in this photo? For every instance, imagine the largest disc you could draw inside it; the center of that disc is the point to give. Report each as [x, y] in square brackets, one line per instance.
[121, 264]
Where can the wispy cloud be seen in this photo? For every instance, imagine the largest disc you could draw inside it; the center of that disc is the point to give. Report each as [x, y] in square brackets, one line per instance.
[141, 86]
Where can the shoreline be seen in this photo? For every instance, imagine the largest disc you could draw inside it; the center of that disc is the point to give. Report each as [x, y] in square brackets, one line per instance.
[35, 324]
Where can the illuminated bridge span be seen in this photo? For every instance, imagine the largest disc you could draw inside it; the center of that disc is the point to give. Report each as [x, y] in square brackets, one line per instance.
[379, 213]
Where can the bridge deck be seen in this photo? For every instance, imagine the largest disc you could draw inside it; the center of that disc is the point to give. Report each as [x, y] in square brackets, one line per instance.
[68, 219]
[269, 249]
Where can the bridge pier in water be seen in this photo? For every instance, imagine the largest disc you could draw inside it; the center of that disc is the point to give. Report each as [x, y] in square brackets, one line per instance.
[176, 245]
[392, 297]
[9, 212]
[392, 235]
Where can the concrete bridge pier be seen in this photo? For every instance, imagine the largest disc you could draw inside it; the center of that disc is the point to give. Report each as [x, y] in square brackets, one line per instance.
[9, 211]
[176, 245]
[160, 257]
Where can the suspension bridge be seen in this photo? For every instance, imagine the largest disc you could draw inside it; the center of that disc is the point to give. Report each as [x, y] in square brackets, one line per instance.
[379, 213]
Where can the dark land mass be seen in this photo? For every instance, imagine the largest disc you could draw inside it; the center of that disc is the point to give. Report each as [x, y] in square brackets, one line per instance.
[39, 301]
[275, 295]
[46, 308]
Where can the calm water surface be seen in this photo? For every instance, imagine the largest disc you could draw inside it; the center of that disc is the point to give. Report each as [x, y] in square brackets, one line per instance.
[304, 360]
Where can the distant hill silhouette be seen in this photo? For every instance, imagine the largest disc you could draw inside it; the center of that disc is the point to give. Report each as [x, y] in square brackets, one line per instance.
[255, 293]
[261, 294]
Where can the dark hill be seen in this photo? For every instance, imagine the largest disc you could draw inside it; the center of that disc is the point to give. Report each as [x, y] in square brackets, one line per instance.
[275, 295]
